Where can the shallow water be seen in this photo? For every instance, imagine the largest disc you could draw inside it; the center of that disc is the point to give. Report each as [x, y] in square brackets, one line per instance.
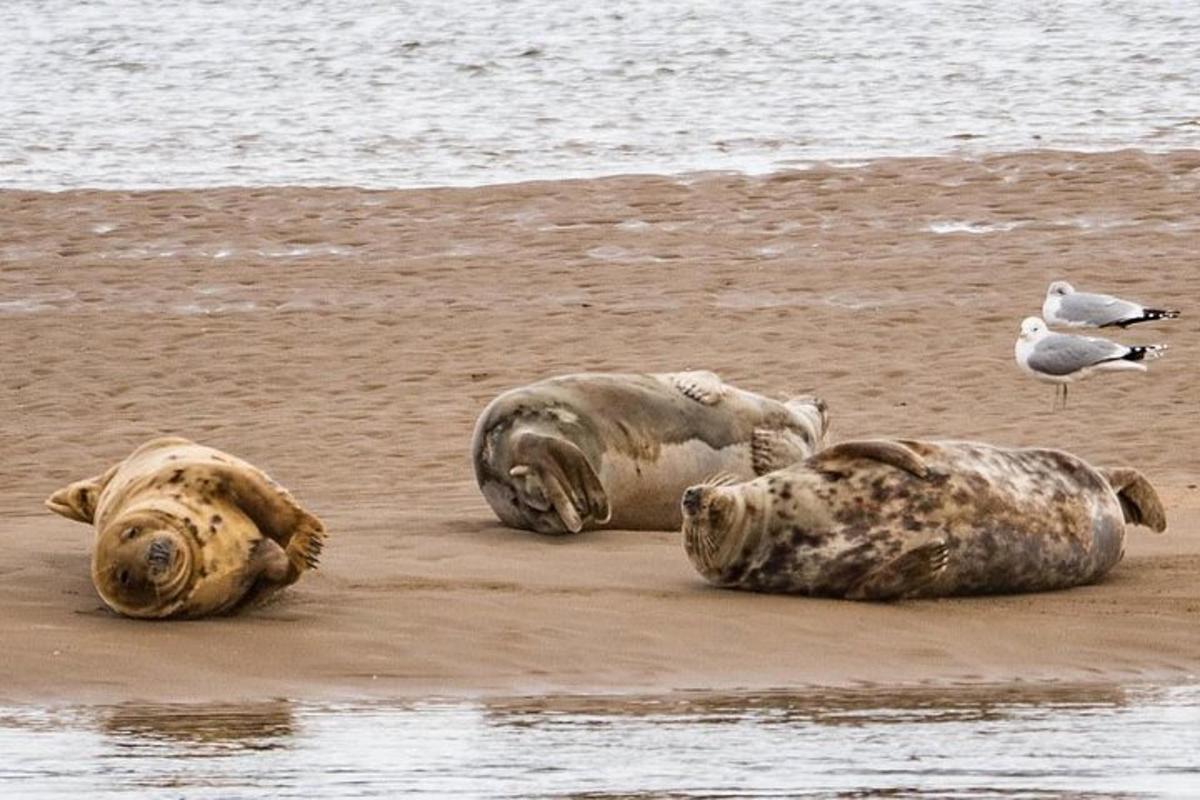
[186, 93]
[1036, 741]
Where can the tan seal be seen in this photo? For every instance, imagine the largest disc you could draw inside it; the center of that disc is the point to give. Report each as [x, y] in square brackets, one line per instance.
[594, 449]
[881, 520]
[184, 530]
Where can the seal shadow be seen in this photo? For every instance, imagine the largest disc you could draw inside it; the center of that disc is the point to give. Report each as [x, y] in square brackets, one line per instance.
[493, 530]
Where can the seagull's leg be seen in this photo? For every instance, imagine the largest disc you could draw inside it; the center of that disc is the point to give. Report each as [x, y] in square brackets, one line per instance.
[1065, 387]
[1054, 405]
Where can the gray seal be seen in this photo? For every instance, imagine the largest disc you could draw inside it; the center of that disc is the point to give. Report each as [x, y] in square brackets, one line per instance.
[184, 530]
[882, 520]
[589, 450]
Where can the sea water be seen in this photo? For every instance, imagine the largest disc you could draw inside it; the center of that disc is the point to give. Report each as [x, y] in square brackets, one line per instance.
[1016, 741]
[187, 93]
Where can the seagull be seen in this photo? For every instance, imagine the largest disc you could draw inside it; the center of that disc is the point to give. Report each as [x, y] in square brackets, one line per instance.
[1065, 306]
[1061, 358]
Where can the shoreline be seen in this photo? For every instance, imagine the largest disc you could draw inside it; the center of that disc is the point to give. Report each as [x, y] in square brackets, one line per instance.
[683, 176]
[344, 340]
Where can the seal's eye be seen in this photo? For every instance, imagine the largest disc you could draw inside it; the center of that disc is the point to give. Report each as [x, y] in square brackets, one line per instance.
[123, 577]
[129, 533]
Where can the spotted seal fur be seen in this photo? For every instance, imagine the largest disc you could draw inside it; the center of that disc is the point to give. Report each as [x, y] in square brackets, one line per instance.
[881, 520]
[183, 530]
[616, 450]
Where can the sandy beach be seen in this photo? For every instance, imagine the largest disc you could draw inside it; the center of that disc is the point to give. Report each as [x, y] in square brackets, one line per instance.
[345, 340]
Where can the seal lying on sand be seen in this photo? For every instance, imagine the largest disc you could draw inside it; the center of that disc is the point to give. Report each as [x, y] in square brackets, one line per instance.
[880, 520]
[184, 530]
[581, 451]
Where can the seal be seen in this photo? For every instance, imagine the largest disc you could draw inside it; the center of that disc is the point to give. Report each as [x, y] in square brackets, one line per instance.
[883, 520]
[183, 530]
[588, 450]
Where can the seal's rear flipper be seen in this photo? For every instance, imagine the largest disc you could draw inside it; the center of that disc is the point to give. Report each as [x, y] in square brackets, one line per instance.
[270, 568]
[773, 448]
[1139, 501]
[702, 386]
[814, 411]
[896, 454]
[565, 476]
[78, 500]
[904, 574]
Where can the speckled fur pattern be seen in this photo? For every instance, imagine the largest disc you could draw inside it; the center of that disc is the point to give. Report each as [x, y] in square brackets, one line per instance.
[184, 530]
[596, 450]
[981, 520]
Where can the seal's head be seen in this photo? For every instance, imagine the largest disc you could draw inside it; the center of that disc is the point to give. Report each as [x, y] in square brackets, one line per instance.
[142, 566]
[1059, 289]
[720, 521]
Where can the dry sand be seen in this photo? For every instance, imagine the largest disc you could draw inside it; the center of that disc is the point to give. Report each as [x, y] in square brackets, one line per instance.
[345, 340]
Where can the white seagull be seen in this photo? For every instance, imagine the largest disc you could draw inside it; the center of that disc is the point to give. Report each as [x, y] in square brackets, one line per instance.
[1061, 358]
[1065, 306]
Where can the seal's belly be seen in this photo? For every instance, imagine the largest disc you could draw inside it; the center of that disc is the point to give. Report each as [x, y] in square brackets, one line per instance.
[1013, 530]
[227, 541]
[645, 494]
[1049, 546]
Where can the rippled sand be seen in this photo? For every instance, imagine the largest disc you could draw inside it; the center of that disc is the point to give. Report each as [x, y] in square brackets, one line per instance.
[346, 339]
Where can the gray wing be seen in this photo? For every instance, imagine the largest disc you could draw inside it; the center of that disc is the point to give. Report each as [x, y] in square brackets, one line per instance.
[1061, 354]
[1096, 309]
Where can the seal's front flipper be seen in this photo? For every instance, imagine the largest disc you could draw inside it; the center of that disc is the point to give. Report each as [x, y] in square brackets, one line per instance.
[838, 457]
[270, 506]
[773, 448]
[904, 574]
[1139, 501]
[702, 386]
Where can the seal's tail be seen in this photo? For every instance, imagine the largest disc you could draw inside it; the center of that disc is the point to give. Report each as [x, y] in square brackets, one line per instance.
[1139, 502]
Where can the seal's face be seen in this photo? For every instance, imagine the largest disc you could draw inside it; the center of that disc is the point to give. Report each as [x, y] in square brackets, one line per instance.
[715, 520]
[142, 566]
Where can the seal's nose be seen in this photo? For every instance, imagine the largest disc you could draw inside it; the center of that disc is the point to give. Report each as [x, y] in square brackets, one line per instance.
[159, 552]
[691, 500]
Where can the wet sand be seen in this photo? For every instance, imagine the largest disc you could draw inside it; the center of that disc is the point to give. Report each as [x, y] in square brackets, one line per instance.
[345, 340]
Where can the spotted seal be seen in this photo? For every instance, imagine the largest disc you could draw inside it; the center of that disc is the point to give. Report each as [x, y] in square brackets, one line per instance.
[616, 450]
[184, 530]
[881, 520]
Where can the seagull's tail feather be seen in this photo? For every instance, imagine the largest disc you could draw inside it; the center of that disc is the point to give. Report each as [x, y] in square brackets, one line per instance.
[1147, 352]
[1148, 315]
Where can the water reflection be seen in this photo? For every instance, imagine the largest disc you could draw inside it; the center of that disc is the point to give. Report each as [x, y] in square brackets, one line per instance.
[880, 706]
[206, 729]
[977, 741]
